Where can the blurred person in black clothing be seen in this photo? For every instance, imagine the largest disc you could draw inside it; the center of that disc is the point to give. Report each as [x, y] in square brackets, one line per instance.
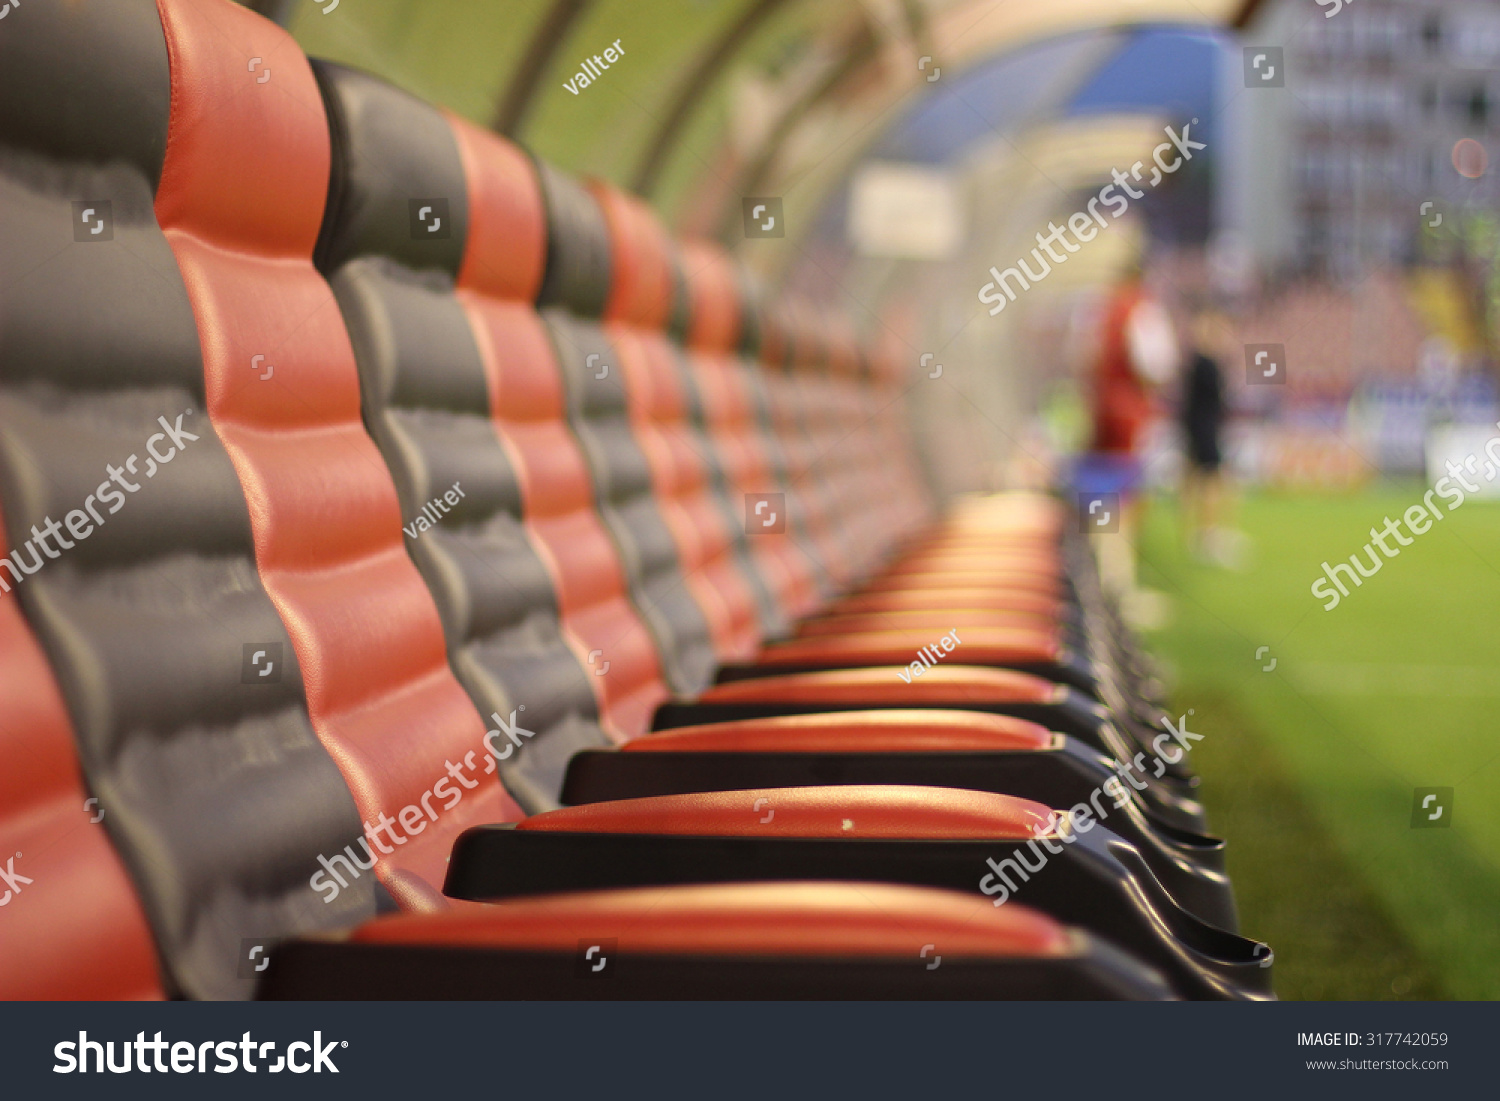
[1202, 414]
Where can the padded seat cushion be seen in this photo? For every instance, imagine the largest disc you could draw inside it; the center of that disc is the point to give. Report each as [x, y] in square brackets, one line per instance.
[936, 620]
[241, 201]
[953, 685]
[894, 731]
[759, 919]
[620, 476]
[853, 811]
[215, 789]
[983, 646]
[1034, 601]
[79, 920]
[426, 400]
[710, 541]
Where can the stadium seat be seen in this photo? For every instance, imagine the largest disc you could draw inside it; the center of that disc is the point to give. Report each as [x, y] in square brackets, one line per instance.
[597, 400]
[82, 925]
[774, 940]
[214, 791]
[431, 468]
[396, 331]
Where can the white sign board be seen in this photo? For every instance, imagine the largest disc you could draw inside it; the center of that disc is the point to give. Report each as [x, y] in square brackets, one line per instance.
[906, 211]
[1468, 447]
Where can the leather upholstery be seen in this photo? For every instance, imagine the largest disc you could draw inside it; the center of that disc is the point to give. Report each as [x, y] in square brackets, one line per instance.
[951, 685]
[87, 84]
[216, 792]
[711, 546]
[644, 283]
[849, 812]
[713, 302]
[797, 919]
[893, 731]
[241, 201]
[579, 553]
[578, 255]
[426, 400]
[527, 408]
[979, 646]
[427, 404]
[505, 250]
[733, 427]
[407, 159]
[731, 389]
[77, 929]
[621, 477]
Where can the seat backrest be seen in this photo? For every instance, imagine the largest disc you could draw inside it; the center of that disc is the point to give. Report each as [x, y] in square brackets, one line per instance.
[825, 398]
[734, 419]
[894, 474]
[461, 385]
[796, 423]
[764, 352]
[598, 413]
[72, 922]
[214, 787]
[638, 290]
[427, 402]
[710, 539]
[648, 297]
[241, 200]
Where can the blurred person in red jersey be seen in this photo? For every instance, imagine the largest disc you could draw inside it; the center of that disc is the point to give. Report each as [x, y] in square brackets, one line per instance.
[1138, 354]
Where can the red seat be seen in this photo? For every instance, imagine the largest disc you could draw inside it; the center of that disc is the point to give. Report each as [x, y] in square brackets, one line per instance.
[243, 221]
[790, 919]
[75, 929]
[950, 684]
[893, 731]
[398, 647]
[853, 811]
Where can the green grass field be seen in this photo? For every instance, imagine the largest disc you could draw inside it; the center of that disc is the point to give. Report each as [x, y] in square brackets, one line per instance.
[1310, 768]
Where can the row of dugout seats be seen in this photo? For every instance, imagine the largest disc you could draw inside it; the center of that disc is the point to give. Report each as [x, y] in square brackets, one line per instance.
[427, 576]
